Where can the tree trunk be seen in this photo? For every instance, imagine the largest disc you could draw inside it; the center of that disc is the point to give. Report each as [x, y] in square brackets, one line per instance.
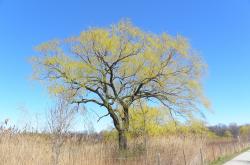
[121, 126]
[122, 140]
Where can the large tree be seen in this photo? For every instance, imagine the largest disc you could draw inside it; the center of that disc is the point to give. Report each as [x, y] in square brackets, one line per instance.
[118, 66]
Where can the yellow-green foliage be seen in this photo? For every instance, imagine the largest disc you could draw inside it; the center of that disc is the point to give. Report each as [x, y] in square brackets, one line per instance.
[117, 67]
[228, 134]
[154, 121]
[145, 120]
[152, 127]
[73, 63]
[193, 126]
[197, 127]
[245, 131]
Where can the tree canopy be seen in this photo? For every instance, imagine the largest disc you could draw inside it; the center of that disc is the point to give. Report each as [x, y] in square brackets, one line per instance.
[118, 66]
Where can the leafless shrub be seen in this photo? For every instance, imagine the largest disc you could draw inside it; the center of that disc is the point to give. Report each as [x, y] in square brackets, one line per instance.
[60, 120]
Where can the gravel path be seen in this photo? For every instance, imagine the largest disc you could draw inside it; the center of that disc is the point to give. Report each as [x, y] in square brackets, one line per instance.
[242, 159]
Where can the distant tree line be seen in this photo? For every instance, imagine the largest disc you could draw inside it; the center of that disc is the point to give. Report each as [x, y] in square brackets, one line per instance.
[231, 130]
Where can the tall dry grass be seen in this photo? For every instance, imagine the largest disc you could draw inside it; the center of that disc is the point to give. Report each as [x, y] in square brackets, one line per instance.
[36, 149]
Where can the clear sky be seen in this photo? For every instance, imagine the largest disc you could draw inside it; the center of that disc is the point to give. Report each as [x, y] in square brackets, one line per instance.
[218, 29]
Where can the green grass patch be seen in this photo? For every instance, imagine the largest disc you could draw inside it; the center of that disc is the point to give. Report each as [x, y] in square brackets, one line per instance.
[226, 158]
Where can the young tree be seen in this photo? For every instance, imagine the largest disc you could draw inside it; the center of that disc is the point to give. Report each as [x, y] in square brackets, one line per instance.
[60, 120]
[116, 67]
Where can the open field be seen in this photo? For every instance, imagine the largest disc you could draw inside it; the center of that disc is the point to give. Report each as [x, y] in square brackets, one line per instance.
[37, 149]
[124, 82]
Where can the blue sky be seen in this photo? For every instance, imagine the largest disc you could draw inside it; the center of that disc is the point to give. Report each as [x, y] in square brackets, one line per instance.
[218, 29]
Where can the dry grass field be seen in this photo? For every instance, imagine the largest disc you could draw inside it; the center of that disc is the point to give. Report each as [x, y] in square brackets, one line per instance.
[37, 149]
